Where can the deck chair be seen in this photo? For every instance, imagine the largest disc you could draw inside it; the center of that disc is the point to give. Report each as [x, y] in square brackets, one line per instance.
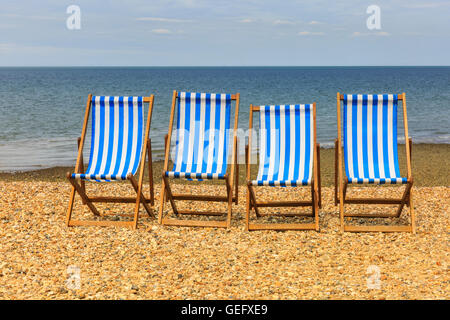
[370, 152]
[202, 151]
[288, 157]
[119, 146]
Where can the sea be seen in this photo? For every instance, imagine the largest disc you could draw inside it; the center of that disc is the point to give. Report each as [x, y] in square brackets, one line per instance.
[42, 108]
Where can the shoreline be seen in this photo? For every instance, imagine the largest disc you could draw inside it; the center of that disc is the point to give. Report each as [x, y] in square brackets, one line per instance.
[430, 165]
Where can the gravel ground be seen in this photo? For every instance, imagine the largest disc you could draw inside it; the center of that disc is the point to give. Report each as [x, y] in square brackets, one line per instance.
[39, 253]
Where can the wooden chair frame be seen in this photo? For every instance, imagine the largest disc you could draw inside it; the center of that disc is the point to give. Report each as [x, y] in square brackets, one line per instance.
[80, 187]
[231, 182]
[316, 196]
[342, 184]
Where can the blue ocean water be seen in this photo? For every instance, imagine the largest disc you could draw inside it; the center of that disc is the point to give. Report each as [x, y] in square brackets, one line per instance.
[41, 109]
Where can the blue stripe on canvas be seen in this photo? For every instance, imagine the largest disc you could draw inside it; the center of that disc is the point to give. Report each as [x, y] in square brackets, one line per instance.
[140, 110]
[298, 129]
[277, 143]
[385, 137]
[355, 134]
[287, 148]
[376, 168]
[121, 133]
[364, 136]
[307, 144]
[111, 133]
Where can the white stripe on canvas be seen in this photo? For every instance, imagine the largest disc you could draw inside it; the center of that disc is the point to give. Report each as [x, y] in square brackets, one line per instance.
[192, 129]
[301, 171]
[349, 136]
[359, 135]
[221, 133]
[380, 137]
[369, 136]
[390, 120]
[182, 131]
[116, 136]
[134, 146]
[123, 156]
[292, 164]
[282, 141]
[212, 133]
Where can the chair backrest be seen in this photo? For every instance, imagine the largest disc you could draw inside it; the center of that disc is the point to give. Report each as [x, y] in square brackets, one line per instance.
[286, 143]
[203, 128]
[370, 136]
[117, 136]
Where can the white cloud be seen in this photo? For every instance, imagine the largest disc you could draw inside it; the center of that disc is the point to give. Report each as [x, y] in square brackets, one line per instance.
[246, 21]
[170, 20]
[314, 22]
[426, 5]
[309, 33]
[161, 31]
[283, 22]
[364, 34]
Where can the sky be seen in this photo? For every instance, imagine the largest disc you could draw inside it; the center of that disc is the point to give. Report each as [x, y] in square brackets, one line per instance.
[224, 33]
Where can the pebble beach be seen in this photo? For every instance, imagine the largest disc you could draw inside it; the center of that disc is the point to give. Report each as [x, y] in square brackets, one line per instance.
[39, 253]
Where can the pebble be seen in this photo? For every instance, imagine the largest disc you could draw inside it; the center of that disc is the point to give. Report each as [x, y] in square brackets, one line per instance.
[39, 254]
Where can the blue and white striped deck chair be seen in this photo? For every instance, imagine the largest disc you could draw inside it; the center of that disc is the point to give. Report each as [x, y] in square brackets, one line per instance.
[204, 145]
[370, 151]
[119, 145]
[288, 157]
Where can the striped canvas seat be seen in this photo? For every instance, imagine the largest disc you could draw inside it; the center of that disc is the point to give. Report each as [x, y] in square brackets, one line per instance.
[370, 139]
[117, 138]
[286, 145]
[202, 142]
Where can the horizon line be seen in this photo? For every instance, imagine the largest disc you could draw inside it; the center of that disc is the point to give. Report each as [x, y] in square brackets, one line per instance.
[205, 66]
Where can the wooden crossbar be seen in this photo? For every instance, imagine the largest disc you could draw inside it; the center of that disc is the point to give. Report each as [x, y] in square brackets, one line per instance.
[378, 228]
[194, 197]
[282, 214]
[372, 201]
[201, 213]
[116, 199]
[281, 226]
[128, 224]
[284, 204]
[194, 223]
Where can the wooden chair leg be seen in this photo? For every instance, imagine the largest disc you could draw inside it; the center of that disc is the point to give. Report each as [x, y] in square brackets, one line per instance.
[318, 175]
[169, 194]
[82, 194]
[81, 169]
[162, 201]
[230, 200]
[336, 185]
[166, 137]
[345, 188]
[316, 210]
[408, 202]
[140, 197]
[236, 182]
[150, 172]
[247, 209]
[69, 210]
[404, 200]
[413, 217]
[253, 199]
